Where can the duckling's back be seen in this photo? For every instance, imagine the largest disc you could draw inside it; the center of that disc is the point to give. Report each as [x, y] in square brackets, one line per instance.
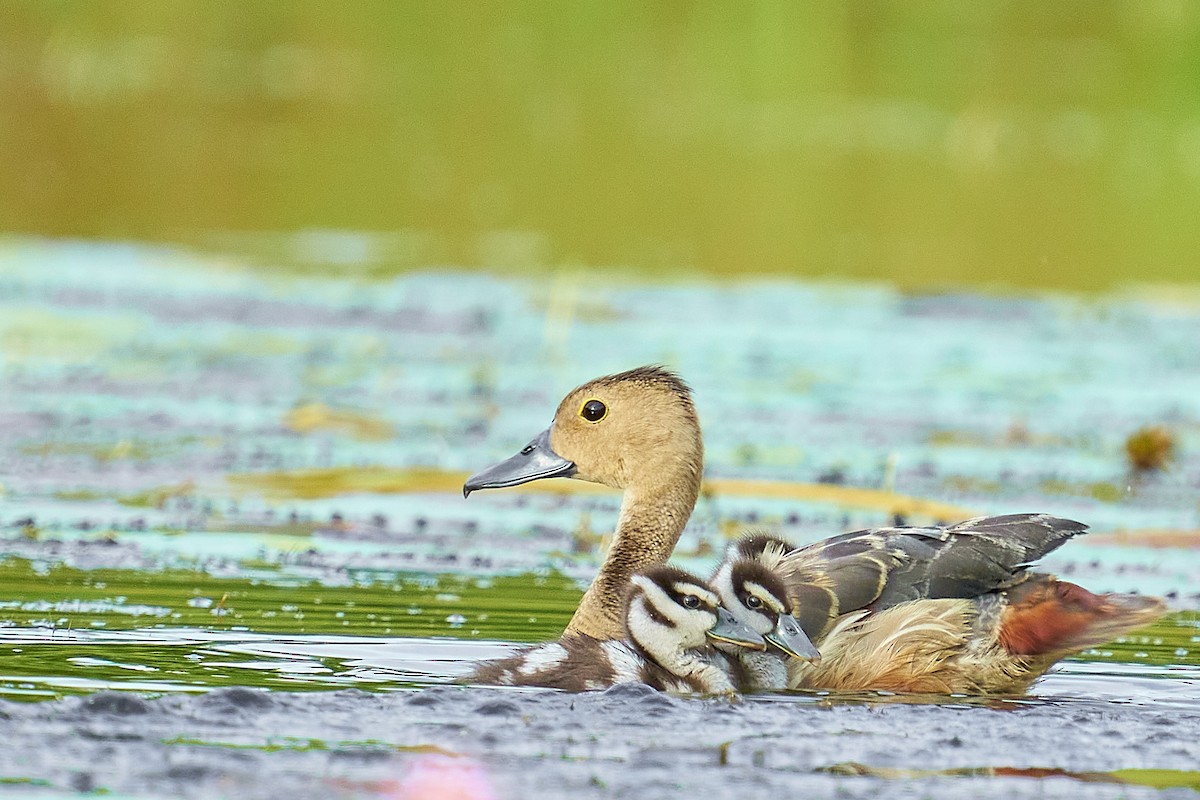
[574, 663]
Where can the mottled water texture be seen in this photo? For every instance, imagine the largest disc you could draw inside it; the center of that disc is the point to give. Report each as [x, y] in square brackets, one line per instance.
[228, 497]
[629, 741]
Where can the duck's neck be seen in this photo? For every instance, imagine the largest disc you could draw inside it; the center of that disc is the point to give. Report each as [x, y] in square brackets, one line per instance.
[651, 521]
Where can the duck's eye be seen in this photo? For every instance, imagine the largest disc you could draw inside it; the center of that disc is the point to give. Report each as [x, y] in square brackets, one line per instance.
[691, 601]
[593, 411]
[753, 601]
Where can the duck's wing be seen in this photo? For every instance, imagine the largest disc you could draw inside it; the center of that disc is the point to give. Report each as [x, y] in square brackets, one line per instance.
[836, 576]
[882, 567]
[981, 555]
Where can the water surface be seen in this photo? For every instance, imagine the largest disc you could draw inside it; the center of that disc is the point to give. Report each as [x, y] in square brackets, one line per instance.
[234, 558]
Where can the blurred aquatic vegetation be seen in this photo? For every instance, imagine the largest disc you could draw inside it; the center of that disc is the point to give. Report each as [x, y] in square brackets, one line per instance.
[1155, 778]
[1151, 448]
[312, 417]
[271, 598]
[1014, 147]
[310, 484]
[334, 481]
[1104, 491]
[156, 497]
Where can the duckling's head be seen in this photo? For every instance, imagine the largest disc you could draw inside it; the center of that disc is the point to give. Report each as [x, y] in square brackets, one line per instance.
[633, 428]
[668, 611]
[762, 547]
[756, 597]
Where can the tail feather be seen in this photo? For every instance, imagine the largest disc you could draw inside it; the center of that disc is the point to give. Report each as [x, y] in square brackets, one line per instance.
[1052, 617]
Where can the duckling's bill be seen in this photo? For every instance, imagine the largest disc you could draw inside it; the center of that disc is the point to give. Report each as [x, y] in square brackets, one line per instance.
[535, 461]
[730, 630]
[789, 637]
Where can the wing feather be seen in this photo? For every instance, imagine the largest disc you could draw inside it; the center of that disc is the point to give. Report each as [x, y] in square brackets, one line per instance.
[882, 567]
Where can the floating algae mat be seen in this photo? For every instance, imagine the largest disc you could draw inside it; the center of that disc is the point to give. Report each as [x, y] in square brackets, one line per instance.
[226, 499]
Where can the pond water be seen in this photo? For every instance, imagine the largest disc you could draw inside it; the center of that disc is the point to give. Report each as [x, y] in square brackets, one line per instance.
[213, 485]
[71, 631]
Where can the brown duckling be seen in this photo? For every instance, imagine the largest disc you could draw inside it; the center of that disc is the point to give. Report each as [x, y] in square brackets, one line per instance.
[672, 619]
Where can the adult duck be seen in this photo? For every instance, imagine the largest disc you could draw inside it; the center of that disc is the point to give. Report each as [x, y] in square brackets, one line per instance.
[638, 431]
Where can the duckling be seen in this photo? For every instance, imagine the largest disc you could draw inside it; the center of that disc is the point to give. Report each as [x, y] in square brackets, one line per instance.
[671, 620]
[993, 626]
[757, 598]
[940, 610]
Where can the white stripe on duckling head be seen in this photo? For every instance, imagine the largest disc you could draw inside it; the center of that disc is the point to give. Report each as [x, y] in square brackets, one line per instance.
[751, 593]
[659, 617]
[769, 599]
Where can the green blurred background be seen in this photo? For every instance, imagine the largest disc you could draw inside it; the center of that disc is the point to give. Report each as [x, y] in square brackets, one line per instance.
[1023, 145]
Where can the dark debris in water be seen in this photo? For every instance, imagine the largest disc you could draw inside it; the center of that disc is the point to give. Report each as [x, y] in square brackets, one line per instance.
[121, 704]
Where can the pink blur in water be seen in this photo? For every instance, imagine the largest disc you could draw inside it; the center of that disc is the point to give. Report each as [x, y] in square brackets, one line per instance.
[441, 777]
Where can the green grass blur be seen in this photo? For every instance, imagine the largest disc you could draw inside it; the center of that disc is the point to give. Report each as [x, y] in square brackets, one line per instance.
[1021, 144]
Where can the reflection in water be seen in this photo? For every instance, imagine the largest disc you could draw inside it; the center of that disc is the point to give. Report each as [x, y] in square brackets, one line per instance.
[49, 664]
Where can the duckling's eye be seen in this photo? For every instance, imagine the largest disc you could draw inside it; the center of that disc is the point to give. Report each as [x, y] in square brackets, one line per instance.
[593, 411]
[691, 601]
[753, 601]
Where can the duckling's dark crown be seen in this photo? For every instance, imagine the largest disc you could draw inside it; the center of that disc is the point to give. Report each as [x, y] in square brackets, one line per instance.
[654, 375]
[667, 576]
[747, 571]
[755, 544]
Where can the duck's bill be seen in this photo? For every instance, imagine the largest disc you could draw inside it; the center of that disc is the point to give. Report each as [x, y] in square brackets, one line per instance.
[789, 637]
[730, 630]
[535, 461]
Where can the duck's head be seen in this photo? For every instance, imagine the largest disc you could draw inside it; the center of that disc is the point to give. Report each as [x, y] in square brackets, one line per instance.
[756, 597]
[632, 428]
[668, 611]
